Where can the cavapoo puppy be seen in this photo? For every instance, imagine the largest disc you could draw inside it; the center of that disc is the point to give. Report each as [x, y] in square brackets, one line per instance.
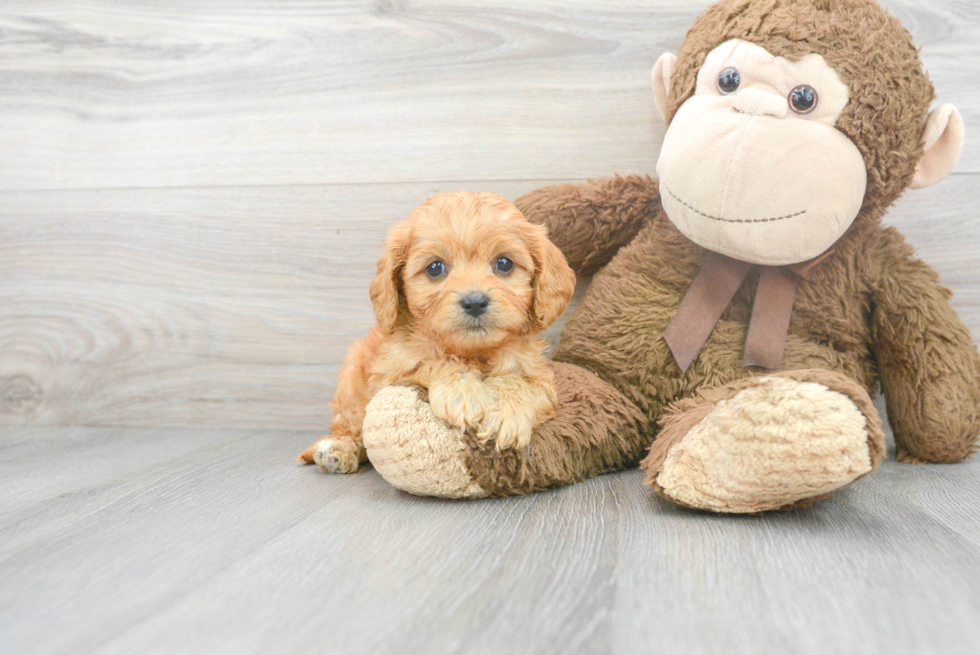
[463, 288]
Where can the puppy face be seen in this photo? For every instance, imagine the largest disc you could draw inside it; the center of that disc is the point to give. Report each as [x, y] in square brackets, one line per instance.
[468, 271]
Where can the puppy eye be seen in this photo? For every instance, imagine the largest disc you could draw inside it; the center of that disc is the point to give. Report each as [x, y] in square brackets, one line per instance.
[503, 265]
[729, 81]
[435, 269]
[803, 99]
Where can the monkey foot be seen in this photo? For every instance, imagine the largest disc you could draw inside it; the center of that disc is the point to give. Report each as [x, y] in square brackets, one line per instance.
[776, 442]
[413, 449]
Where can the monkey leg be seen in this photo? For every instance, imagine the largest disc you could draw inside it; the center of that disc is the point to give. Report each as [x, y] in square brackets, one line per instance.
[774, 442]
[596, 430]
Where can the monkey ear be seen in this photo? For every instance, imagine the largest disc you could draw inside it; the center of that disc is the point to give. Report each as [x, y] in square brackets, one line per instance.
[662, 71]
[386, 285]
[943, 143]
[554, 281]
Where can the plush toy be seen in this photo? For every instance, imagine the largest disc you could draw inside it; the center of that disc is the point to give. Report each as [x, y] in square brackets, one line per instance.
[744, 307]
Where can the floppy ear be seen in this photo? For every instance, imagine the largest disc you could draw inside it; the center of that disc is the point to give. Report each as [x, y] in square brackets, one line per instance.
[554, 281]
[943, 143]
[661, 81]
[386, 285]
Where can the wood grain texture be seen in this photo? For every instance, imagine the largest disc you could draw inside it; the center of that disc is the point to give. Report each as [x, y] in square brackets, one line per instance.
[102, 93]
[192, 200]
[193, 195]
[188, 306]
[163, 541]
[235, 307]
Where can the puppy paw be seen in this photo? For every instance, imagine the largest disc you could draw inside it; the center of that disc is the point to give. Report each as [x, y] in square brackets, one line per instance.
[461, 401]
[521, 405]
[507, 425]
[335, 455]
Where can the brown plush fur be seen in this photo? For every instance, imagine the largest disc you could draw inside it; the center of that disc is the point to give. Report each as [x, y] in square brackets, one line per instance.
[872, 316]
[486, 372]
[870, 50]
[872, 312]
[595, 431]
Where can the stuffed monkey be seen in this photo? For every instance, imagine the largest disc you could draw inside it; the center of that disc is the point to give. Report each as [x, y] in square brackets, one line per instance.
[745, 306]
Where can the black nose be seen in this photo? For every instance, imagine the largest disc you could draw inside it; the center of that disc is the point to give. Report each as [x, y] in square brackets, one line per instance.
[474, 303]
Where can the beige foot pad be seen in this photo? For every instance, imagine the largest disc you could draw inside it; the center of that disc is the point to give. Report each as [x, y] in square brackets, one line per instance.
[773, 442]
[412, 449]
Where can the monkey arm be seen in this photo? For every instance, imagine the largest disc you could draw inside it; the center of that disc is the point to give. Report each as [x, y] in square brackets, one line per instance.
[589, 222]
[928, 364]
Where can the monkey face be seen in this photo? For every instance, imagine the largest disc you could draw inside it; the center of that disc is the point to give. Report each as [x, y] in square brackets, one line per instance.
[752, 165]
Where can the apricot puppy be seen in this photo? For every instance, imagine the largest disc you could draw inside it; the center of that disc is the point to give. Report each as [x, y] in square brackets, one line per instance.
[463, 288]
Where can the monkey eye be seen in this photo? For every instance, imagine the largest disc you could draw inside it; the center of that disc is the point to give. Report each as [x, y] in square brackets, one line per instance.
[729, 81]
[503, 265]
[803, 99]
[435, 269]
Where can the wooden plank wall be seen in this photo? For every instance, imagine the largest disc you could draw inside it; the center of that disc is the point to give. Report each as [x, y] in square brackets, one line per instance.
[193, 194]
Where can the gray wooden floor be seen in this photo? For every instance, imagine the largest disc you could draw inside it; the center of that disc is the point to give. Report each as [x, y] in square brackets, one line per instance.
[121, 540]
[193, 195]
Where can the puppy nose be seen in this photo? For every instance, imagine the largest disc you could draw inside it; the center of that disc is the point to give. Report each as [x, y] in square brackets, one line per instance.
[474, 303]
[757, 102]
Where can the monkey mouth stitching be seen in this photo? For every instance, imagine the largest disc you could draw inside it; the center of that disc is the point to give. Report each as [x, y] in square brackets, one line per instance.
[731, 220]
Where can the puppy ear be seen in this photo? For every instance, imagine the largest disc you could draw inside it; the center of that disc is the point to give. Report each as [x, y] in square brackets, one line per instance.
[554, 281]
[386, 285]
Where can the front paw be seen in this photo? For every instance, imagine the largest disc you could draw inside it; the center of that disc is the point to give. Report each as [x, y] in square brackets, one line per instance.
[335, 455]
[508, 426]
[461, 402]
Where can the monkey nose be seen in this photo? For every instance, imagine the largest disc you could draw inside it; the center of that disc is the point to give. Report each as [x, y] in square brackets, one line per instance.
[474, 303]
[757, 102]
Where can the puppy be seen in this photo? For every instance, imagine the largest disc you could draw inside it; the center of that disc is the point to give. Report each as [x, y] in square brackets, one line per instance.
[463, 288]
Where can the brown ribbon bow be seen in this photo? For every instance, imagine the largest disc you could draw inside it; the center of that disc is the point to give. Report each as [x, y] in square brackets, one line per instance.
[712, 291]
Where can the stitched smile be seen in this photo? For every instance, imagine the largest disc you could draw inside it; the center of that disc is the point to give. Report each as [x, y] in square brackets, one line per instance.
[730, 220]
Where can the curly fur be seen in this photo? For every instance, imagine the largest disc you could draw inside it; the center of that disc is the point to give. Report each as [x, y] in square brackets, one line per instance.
[485, 372]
